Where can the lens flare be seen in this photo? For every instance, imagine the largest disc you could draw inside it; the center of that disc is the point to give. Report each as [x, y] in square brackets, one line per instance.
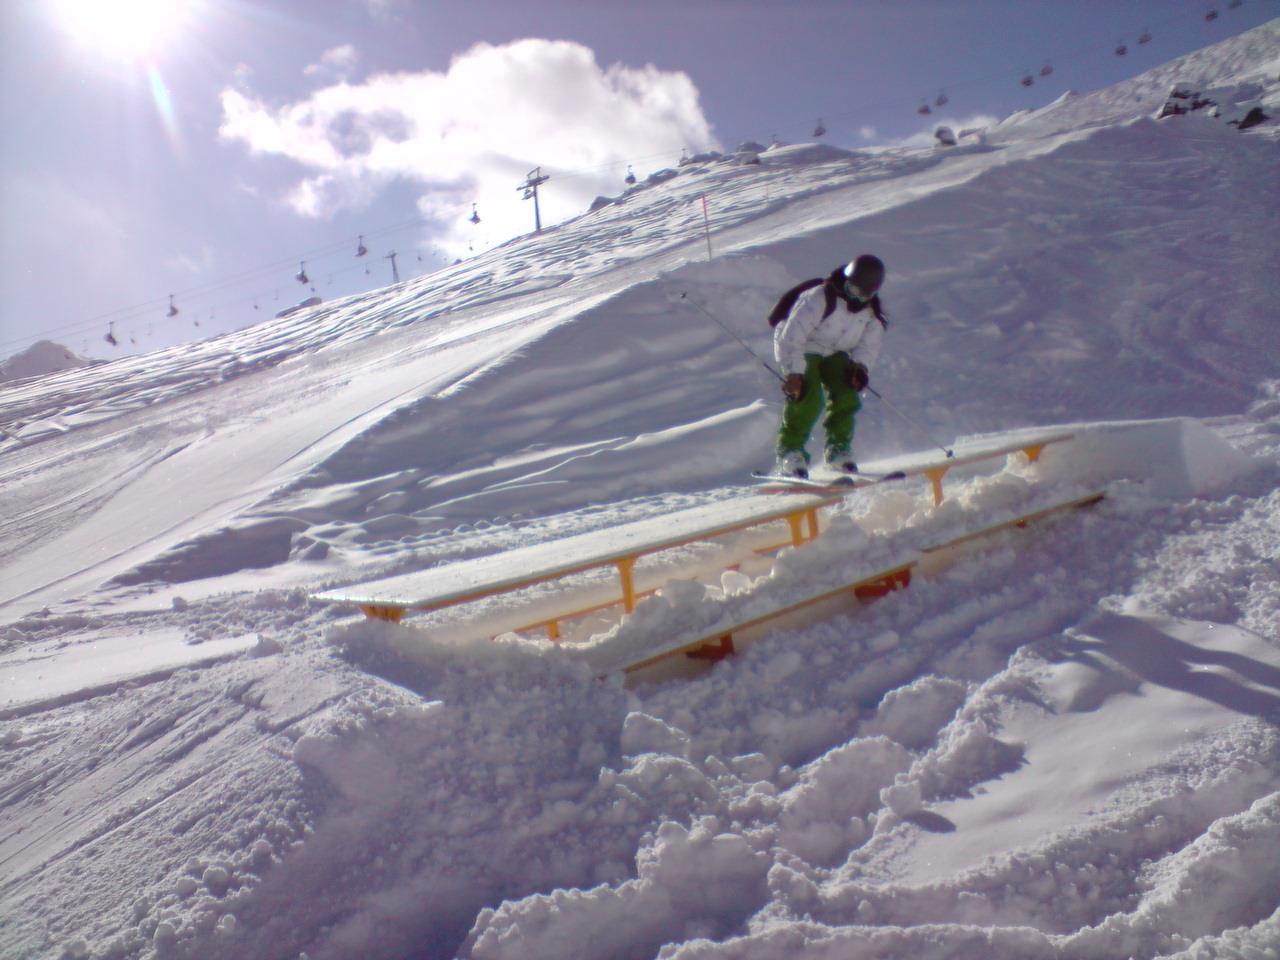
[122, 29]
[164, 106]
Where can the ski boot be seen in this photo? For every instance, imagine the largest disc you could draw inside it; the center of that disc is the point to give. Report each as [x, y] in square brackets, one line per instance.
[793, 464]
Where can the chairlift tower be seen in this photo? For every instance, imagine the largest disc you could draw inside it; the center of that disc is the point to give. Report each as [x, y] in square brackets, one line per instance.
[530, 188]
[395, 272]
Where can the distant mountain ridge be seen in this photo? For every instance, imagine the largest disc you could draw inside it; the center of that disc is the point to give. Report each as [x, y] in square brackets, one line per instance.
[41, 359]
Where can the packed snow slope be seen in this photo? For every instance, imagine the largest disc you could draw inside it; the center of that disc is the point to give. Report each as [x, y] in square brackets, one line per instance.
[1063, 743]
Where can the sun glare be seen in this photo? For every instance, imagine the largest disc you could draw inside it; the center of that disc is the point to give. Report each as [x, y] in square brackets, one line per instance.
[124, 29]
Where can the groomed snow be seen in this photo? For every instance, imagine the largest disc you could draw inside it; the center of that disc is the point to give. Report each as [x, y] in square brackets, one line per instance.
[1060, 742]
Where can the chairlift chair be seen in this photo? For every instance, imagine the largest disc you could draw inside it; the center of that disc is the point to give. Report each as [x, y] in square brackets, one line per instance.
[301, 275]
[630, 178]
[1121, 49]
[361, 249]
[475, 216]
[924, 109]
[942, 99]
[1234, 4]
[1046, 69]
[1145, 37]
[110, 335]
[173, 310]
[1027, 80]
[819, 130]
[1211, 16]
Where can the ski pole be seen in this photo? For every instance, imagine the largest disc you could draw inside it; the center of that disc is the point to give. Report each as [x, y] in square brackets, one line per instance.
[742, 343]
[919, 429]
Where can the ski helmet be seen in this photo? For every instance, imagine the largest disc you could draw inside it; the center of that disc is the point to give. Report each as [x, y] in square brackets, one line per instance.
[862, 277]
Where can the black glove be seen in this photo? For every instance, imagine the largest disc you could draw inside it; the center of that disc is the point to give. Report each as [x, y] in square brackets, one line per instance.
[857, 376]
[793, 387]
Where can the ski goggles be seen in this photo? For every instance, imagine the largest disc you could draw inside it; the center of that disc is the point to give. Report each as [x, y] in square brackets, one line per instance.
[854, 292]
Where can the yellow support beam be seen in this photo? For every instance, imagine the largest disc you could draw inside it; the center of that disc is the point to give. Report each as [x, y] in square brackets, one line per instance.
[626, 568]
[935, 476]
[380, 611]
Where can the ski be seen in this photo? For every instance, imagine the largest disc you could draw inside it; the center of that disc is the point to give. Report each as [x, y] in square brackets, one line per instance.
[774, 483]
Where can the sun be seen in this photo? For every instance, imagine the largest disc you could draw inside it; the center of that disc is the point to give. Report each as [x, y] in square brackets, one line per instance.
[123, 29]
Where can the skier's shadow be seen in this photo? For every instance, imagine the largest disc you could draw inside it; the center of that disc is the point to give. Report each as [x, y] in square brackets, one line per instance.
[1154, 655]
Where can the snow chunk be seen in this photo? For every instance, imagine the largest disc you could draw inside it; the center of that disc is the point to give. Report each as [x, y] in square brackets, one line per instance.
[645, 734]
[824, 815]
[693, 883]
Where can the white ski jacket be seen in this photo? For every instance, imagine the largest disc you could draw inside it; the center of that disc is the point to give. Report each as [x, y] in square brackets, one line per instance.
[804, 331]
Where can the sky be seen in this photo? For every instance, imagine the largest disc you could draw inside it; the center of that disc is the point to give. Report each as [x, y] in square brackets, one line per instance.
[205, 154]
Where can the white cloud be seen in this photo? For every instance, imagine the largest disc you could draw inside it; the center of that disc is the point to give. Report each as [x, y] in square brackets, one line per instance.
[471, 133]
[337, 60]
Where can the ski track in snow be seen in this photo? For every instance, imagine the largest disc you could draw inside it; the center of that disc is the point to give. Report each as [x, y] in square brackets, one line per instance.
[1059, 742]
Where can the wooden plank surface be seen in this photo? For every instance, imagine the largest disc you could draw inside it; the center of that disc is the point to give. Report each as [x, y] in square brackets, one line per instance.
[539, 562]
[967, 452]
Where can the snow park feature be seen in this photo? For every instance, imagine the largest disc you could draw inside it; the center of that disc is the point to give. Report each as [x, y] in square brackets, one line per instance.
[1062, 740]
[555, 562]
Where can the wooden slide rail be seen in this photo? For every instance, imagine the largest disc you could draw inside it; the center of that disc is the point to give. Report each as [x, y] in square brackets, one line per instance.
[470, 580]
[937, 471]
[717, 642]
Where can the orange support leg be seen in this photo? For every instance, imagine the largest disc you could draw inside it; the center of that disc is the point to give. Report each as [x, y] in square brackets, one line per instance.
[377, 612]
[798, 522]
[936, 475]
[625, 567]
[875, 589]
[714, 651]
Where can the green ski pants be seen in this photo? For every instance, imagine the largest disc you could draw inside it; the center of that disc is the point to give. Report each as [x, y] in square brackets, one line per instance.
[825, 384]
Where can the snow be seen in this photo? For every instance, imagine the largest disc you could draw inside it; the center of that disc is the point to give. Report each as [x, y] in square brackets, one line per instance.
[39, 676]
[1058, 742]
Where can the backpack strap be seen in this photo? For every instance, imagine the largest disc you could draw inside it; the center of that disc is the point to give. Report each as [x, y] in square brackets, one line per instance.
[782, 309]
[830, 287]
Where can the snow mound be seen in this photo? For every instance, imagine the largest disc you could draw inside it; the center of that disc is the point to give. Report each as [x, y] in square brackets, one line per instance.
[1172, 459]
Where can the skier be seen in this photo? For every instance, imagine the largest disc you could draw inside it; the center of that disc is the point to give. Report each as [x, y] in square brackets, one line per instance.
[826, 347]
